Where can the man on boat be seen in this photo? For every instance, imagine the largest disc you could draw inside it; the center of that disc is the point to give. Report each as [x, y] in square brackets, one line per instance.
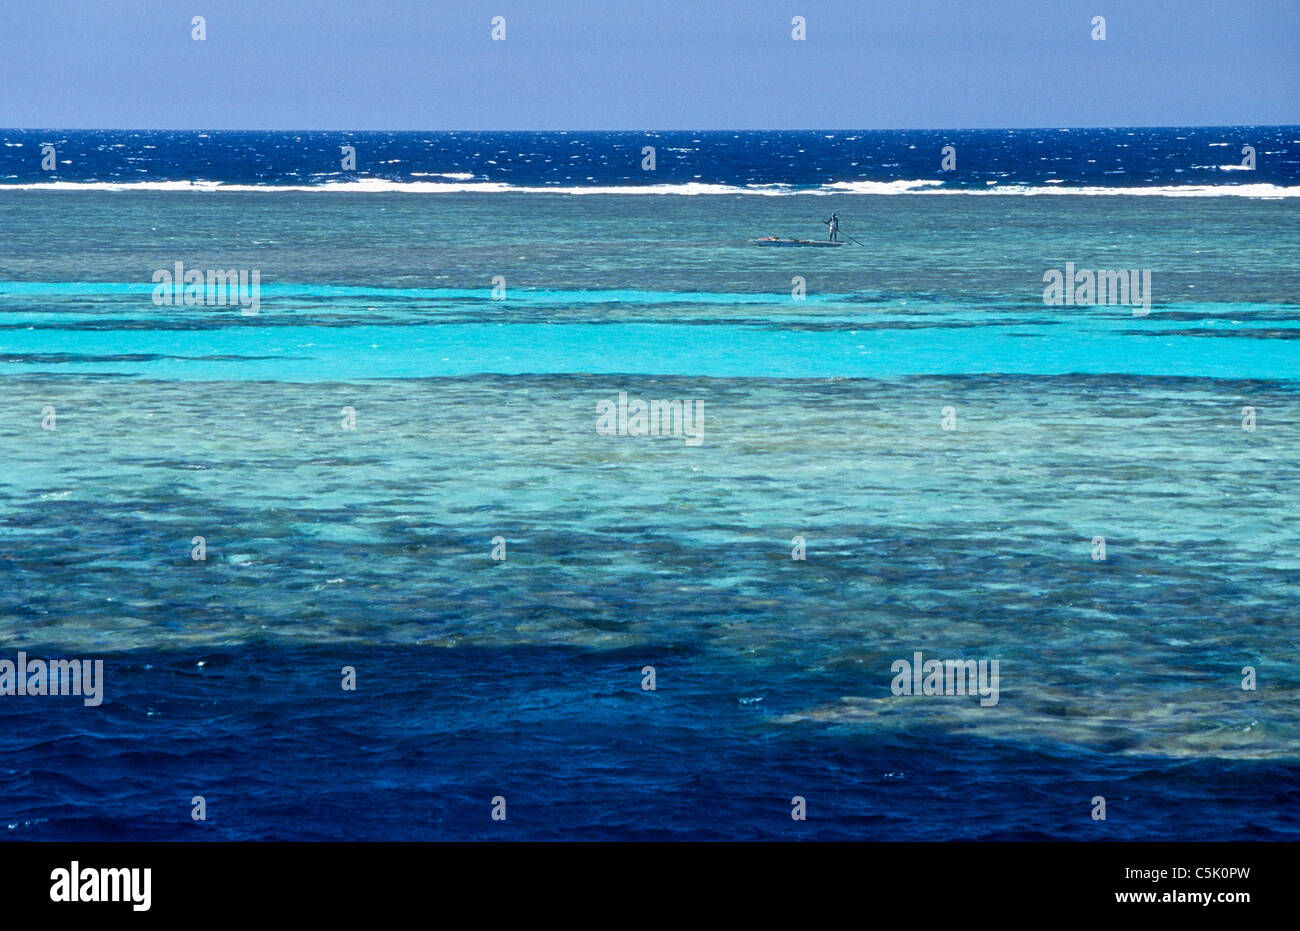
[834, 224]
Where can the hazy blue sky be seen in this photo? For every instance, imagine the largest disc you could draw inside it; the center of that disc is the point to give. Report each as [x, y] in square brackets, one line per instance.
[650, 64]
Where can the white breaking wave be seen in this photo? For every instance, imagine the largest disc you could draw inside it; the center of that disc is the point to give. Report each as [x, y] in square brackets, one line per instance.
[918, 187]
[1268, 191]
[877, 187]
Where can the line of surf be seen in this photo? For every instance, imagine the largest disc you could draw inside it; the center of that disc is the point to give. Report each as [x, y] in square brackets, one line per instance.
[920, 186]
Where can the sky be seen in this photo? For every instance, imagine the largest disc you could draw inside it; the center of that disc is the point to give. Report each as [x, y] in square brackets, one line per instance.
[646, 64]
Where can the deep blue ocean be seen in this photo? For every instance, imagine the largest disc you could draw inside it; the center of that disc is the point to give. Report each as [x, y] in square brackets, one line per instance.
[947, 445]
[843, 161]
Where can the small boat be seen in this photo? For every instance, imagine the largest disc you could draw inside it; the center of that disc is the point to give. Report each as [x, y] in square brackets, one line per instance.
[774, 241]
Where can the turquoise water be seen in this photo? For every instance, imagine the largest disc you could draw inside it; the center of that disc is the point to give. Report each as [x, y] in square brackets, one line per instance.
[931, 342]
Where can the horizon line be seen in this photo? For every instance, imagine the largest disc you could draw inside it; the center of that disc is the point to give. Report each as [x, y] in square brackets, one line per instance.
[815, 129]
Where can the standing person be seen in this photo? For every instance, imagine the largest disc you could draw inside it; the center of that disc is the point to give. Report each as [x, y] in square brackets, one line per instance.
[834, 224]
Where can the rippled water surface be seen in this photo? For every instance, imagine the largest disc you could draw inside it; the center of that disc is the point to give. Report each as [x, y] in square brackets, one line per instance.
[822, 419]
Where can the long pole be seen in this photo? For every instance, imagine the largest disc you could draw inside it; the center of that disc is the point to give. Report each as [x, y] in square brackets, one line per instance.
[845, 235]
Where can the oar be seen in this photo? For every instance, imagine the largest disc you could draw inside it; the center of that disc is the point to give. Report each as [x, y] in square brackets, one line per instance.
[845, 235]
